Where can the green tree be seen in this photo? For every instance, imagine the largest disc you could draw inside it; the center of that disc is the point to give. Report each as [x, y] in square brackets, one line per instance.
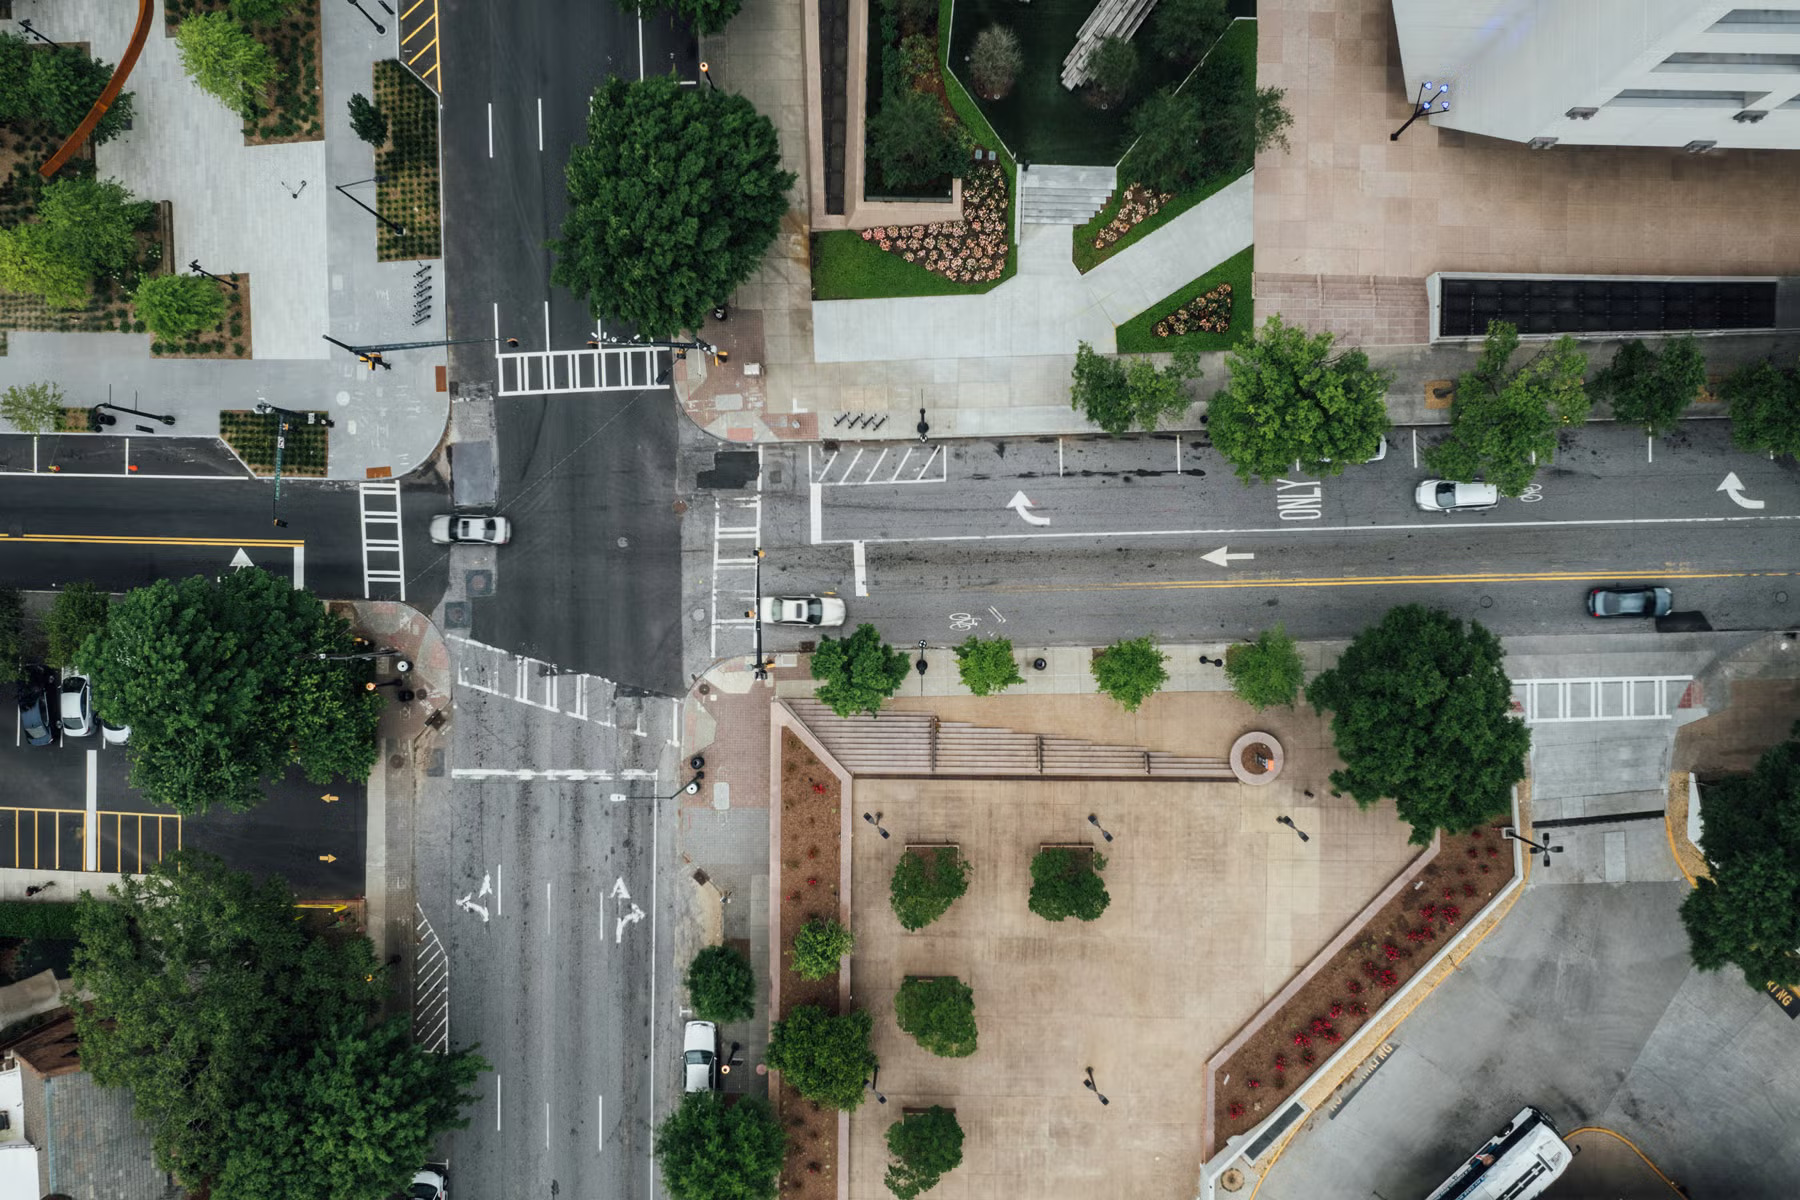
[1291, 400]
[704, 17]
[925, 884]
[939, 1013]
[32, 407]
[995, 61]
[1131, 671]
[243, 1036]
[1765, 408]
[12, 635]
[224, 60]
[711, 1150]
[721, 987]
[858, 672]
[1168, 129]
[79, 610]
[672, 203]
[1067, 883]
[1186, 29]
[1254, 121]
[33, 261]
[1265, 672]
[93, 220]
[221, 684]
[15, 77]
[827, 1058]
[1504, 423]
[914, 141]
[62, 85]
[367, 122]
[1421, 710]
[1651, 388]
[1114, 396]
[1746, 911]
[986, 665]
[819, 946]
[178, 306]
[928, 1145]
[1112, 68]
[260, 12]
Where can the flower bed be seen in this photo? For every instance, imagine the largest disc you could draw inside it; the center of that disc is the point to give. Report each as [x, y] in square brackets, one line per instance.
[1209, 312]
[1391, 946]
[1140, 334]
[1138, 204]
[972, 250]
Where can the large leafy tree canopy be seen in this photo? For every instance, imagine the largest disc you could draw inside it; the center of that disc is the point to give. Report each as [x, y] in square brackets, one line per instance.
[926, 1144]
[221, 685]
[1504, 423]
[1652, 388]
[672, 203]
[252, 1046]
[1421, 710]
[1765, 407]
[1114, 395]
[858, 672]
[827, 1058]
[1748, 912]
[57, 86]
[1266, 672]
[711, 1151]
[225, 59]
[1291, 400]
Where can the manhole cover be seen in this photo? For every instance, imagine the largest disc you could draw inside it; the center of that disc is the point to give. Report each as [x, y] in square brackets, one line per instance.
[479, 583]
[396, 761]
[456, 614]
[680, 507]
[699, 615]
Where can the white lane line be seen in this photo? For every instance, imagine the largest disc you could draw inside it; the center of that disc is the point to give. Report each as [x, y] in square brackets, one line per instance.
[299, 567]
[91, 852]
[600, 1124]
[490, 129]
[127, 470]
[862, 569]
[115, 475]
[496, 1104]
[540, 124]
[870, 477]
[1446, 526]
[655, 858]
[849, 470]
[1650, 449]
[640, 76]
[1178, 454]
[500, 889]
[546, 325]
[818, 512]
[935, 450]
[1059, 458]
[1415, 441]
[675, 724]
[546, 1124]
[496, 327]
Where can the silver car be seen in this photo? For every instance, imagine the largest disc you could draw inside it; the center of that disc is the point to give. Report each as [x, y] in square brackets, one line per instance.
[448, 528]
[700, 1057]
[802, 610]
[1446, 496]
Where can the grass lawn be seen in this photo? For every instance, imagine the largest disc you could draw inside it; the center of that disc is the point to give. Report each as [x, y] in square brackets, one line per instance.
[1138, 335]
[1237, 45]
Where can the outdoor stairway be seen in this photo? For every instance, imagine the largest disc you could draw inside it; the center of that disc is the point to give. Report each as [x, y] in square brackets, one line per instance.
[1110, 18]
[919, 744]
[1064, 195]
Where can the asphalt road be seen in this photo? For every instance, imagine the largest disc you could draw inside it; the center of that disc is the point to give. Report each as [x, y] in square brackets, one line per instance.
[1114, 540]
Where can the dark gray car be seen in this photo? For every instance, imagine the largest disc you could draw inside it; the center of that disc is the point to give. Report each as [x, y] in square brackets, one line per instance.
[1630, 602]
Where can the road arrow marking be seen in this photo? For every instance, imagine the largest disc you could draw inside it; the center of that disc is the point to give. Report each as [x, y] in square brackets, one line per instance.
[636, 914]
[328, 858]
[1734, 488]
[329, 798]
[618, 890]
[1223, 557]
[240, 560]
[1019, 503]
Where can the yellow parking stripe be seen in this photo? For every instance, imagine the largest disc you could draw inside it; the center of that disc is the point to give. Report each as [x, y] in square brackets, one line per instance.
[411, 28]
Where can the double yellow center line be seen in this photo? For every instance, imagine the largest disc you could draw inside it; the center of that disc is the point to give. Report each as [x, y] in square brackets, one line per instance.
[101, 539]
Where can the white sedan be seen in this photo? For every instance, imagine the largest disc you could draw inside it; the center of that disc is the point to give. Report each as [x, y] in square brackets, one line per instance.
[447, 528]
[802, 610]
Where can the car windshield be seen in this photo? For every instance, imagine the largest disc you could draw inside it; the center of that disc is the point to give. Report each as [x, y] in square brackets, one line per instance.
[815, 611]
[423, 1191]
[698, 1058]
[73, 686]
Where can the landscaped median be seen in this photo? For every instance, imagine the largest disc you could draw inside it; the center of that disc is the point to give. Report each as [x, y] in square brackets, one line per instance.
[1190, 317]
[407, 190]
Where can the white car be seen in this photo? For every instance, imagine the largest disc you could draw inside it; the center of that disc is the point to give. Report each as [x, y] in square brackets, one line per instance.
[802, 610]
[447, 528]
[428, 1185]
[77, 702]
[114, 735]
[700, 1057]
[1442, 495]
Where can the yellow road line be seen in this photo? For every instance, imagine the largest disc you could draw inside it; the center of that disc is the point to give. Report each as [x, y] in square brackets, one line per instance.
[1388, 580]
[422, 50]
[99, 539]
[1613, 1133]
[409, 12]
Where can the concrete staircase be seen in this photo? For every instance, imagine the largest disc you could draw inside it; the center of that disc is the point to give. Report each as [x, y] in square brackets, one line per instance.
[1110, 18]
[920, 744]
[1064, 195]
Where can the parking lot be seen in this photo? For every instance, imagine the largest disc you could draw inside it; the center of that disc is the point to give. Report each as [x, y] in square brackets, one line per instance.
[75, 809]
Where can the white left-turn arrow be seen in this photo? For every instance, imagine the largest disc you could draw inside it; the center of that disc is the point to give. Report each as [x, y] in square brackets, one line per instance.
[1020, 503]
[1223, 557]
[1734, 488]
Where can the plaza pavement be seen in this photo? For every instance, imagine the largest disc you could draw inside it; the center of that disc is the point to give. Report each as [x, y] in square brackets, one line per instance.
[311, 257]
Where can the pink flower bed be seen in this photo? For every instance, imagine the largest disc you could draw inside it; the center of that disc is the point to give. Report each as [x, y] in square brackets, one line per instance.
[972, 250]
[1210, 313]
[1139, 203]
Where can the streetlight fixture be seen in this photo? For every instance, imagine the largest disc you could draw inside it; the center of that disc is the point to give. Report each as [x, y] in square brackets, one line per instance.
[710, 85]
[1422, 107]
[1289, 822]
[398, 230]
[197, 269]
[165, 418]
[1088, 1083]
[722, 356]
[921, 665]
[870, 1084]
[1094, 820]
[1514, 835]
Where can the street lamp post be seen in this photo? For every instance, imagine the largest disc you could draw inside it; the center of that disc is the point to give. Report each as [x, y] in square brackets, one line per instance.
[283, 417]
[165, 418]
[1422, 106]
[398, 230]
[710, 85]
[719, 355]
[1514, 835]
[197, 269]
[875, 820]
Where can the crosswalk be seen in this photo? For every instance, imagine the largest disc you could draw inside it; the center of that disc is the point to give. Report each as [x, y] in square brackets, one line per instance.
[383, 553]
[1619, 698]
[568, 372]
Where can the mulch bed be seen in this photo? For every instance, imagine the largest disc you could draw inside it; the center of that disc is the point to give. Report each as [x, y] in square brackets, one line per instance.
[408, 193]
[290, 111]
[811, 820]
[306, 452]
[1392, 947]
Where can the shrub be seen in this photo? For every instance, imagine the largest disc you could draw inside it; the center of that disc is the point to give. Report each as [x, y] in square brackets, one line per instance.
[367, 122]
[721, 986]
[987, 666]
[819, 946]
[1186, 29]
[939, 1014]
[927, 1144]
[827, 1058]
[1130, 671]
[858, 672]
[918, 60]
[1112, 69]
[1765, 408]
[175, 306]
[78, 610]
[1114, 395]
[711, 1150]
[1066, 883]
[1265, 672]
[925, 884]
[224, 60]
[1652, 388]
[914, 141]
[995, 61]
[36, 919]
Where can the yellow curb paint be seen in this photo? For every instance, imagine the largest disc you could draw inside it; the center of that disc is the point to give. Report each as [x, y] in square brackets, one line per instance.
[1613, 1133]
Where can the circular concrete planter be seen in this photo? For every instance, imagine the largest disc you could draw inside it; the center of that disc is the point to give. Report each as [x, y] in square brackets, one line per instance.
[1256, 758]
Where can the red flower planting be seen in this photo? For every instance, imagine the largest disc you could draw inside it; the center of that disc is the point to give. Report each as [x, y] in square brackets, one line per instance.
[1320, 1026]
[1309, 1058]
[1392, 952]
[1281, 1062]
[1359, 1009]
[1236, 1111]
[1386, 978]
[1210, 313]
[1300, 1039]
[1428, 912]
[1253, 1083]
[1354, 986]
[1337, 1009]
[1468, 889]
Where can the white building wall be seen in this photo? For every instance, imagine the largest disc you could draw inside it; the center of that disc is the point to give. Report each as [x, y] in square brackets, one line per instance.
[1516, 67]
